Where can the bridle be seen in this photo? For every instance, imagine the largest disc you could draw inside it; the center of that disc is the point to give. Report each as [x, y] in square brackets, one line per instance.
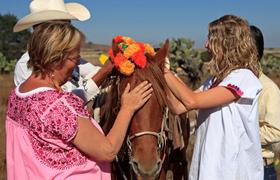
[161, 143]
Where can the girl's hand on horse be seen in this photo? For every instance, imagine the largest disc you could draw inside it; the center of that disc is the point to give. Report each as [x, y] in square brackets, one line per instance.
[136, 98]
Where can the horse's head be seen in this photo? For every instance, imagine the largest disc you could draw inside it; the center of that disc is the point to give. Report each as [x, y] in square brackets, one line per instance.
[145, 136]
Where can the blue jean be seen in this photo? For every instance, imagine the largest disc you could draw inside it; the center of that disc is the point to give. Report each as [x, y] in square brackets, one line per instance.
[270, 172]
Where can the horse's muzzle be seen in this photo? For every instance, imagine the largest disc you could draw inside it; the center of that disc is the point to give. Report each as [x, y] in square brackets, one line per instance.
[141, 171]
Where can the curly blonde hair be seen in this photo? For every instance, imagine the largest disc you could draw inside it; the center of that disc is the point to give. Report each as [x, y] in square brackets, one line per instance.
[50, 44]
[232, 46]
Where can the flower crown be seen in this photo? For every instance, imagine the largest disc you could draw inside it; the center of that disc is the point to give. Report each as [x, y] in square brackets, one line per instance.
[131, 54]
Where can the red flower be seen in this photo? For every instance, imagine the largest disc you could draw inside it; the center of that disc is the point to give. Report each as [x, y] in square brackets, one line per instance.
[139, 59]
[142, 46]
[118, 39]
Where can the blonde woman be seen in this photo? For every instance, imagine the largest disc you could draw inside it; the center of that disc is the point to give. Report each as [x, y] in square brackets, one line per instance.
[227, 138]
[50, 135]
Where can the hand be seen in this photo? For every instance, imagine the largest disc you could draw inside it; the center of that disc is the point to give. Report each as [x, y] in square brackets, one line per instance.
[136, 98]
[166, 70]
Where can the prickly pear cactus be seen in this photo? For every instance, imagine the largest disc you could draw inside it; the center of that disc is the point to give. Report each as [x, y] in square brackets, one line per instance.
[185, 61]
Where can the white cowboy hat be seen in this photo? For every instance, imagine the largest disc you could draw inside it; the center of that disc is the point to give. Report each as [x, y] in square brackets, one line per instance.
[45, 10]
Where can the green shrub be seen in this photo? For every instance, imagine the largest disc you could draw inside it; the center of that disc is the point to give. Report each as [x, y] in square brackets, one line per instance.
[6, 66]
[186, 61]
[270, 64]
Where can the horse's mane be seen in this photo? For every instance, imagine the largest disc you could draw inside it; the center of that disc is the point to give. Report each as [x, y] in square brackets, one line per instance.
[152, 73]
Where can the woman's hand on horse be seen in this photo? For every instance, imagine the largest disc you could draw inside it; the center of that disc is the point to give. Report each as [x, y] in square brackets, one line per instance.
[136, 98]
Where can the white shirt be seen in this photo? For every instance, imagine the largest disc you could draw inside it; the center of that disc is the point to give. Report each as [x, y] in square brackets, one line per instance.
[227, 142]
[84, 87]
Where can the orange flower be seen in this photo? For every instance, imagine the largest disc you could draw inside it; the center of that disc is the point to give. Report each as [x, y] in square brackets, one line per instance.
[130, 50]
[149, 49]
[126, 67]
[119, 58]
[128, 40]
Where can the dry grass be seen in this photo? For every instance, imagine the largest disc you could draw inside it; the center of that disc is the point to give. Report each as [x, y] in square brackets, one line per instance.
[6, 84]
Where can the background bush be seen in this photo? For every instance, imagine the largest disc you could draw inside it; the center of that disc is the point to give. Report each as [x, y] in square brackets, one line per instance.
[12, 45]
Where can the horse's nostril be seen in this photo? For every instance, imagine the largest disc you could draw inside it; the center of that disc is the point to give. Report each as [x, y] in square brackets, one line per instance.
[159, 164]
[134, 163]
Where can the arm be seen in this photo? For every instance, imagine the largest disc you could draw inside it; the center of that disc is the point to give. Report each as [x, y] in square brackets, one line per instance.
[99, 77]
[174, 104]
[104, 148]
[92, 77]
[191, 100]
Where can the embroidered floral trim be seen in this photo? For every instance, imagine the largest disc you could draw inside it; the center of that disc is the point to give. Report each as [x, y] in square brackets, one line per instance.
[50, 119]
[54, 156]
[236, 89]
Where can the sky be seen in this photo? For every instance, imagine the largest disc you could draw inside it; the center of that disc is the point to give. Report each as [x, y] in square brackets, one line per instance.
[154, 21]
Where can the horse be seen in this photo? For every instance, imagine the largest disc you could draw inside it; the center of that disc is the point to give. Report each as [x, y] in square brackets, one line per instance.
[147, 152]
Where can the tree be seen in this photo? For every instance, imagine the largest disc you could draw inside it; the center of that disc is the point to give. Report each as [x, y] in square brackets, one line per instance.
[12, 45]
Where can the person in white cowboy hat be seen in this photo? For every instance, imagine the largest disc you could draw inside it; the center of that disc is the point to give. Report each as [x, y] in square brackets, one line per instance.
[86, 77]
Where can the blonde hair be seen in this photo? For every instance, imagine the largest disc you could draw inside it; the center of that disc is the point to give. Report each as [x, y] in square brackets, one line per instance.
[50, 45]
[232, 46]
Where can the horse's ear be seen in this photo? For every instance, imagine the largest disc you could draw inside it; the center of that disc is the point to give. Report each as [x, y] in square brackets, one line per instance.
[115, 47]
[162, 54]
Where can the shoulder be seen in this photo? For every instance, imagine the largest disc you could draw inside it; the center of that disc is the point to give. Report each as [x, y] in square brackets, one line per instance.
[244, 76]
[22, 72]
[242, 73]
[267, 82]
[243, 82]
[62, 105]
[72, 98]
[269, 87]
[24, 58]
[21, 65]
[52, 98]
[75, 103]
